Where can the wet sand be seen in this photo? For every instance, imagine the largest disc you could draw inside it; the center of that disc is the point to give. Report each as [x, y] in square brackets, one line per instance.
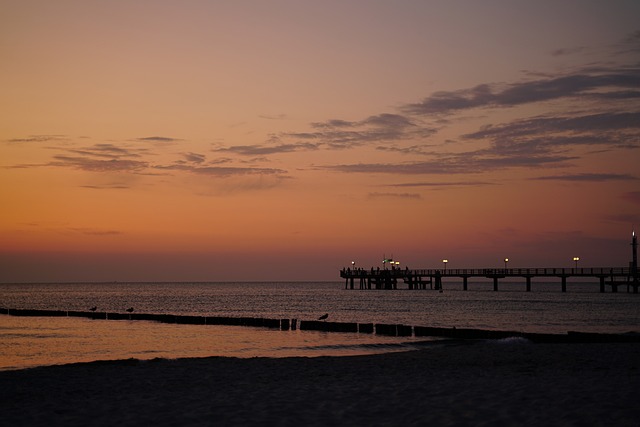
[505, 382]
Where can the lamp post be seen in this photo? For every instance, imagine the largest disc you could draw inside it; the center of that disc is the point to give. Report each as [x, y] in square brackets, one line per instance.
[445, 261]
[576, 259]
[353, 266]
[506, 260]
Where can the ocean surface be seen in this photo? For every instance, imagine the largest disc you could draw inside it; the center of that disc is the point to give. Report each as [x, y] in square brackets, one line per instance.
[36, 341]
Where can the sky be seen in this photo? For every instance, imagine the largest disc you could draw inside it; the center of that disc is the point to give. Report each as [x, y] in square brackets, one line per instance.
[283, 140]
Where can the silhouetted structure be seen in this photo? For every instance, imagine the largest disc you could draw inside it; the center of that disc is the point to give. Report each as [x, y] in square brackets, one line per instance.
[634, 261]
[432, 278]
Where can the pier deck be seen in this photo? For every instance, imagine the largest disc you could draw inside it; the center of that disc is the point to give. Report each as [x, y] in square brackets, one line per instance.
[432, 278]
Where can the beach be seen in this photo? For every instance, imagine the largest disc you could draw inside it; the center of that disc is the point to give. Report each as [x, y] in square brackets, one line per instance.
[496, 382]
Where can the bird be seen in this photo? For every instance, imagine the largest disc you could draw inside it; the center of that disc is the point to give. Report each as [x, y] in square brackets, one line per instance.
[324, 316]
[94, 308]
[130, 309]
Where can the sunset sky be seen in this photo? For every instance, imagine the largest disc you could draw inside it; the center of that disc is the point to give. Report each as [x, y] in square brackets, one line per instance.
[281, 140]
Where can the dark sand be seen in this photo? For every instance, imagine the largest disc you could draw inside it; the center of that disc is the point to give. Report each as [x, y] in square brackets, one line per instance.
[509, 382]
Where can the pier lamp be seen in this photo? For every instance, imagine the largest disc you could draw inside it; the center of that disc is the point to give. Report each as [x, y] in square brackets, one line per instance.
[576, 259]
[506, 260]
[445, 261]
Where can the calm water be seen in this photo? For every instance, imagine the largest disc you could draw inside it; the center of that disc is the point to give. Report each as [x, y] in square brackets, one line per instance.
[37, 341]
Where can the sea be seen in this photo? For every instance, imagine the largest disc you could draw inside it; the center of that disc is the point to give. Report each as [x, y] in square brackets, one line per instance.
[28, 342]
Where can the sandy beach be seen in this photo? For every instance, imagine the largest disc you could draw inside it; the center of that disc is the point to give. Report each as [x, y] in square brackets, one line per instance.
[505, 382]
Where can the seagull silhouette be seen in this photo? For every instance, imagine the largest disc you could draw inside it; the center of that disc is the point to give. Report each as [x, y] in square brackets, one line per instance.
[324, 316]
[94, 308]
[130, 309]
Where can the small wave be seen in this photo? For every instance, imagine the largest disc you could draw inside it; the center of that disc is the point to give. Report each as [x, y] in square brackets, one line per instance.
[380, 347]
[511, 341]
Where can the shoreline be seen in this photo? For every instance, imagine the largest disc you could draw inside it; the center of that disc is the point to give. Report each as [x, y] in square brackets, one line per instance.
[461, 382]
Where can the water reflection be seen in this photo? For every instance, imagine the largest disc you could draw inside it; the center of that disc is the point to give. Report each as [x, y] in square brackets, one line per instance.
[38, 341]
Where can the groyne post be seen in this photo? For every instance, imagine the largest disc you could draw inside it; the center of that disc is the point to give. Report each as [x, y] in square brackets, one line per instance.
[528, 283]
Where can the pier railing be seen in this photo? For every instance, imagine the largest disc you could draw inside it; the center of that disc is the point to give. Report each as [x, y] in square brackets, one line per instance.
[490, 272]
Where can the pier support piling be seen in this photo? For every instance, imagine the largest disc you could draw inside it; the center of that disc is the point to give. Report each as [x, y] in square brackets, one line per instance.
[438, 279]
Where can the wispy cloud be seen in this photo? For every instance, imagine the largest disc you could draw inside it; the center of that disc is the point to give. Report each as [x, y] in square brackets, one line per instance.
[110, 151]
[385, 127]
[630, 44]
[588, 177]
[600, 122]
[194, 157]
[466, 163]
[221, 171]
[338, 134]
[98, 165]
[38, 138]
[412, 150]
[394, 196]
[442, 184]
[509, 95]
[95, 232]
[158, 139]
[131, 159]
[263, 150]
[568, 51]
[106, 187]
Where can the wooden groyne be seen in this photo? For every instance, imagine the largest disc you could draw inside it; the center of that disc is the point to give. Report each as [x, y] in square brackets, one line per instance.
[392, 330]
[612, 277]
[284, 324]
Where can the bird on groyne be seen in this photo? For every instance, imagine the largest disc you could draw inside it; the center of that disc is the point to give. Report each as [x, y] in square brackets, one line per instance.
[94, 308]
[324, 316]
[130, 309]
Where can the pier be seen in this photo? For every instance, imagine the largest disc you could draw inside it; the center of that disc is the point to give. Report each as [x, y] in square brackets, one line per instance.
[388, 278]
[612, 277]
